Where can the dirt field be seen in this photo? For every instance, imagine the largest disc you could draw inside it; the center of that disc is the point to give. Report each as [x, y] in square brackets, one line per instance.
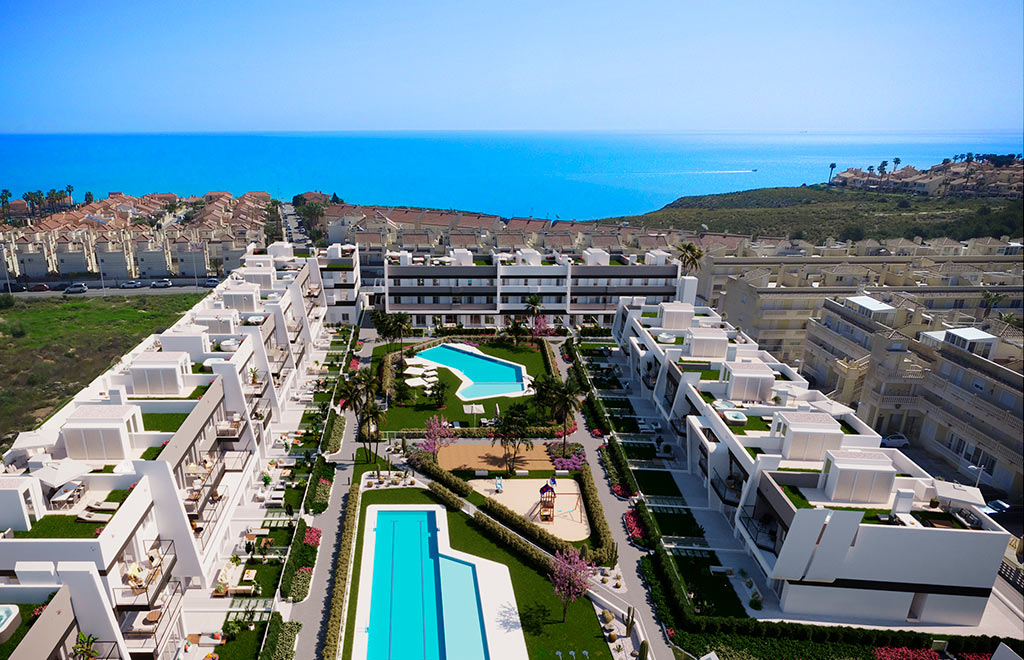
[486, 457]
[523, 496]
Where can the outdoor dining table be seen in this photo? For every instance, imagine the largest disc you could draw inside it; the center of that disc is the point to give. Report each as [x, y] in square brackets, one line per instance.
[67, 495]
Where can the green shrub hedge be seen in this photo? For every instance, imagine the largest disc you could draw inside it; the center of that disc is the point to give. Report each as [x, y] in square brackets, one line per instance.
[652, 536]
[512, 541]
[446, 497]
[606, 551]
[525, 527]
[279, 644]
[301, 555]
[336, 617]
[318, 496]
[334, 433]
[446, 478]
[618, 459]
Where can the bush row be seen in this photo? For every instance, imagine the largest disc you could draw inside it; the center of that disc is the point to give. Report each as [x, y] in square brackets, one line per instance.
[446, 478]
[982, 644]
[549, 359]
[618, 459]
[273, 634]
[334, 433]
[446, 497]
[652, 537]
[318, 496]
[525, 527]
[298, 541]
[337, 614]
[606, 551]
[279, 644]
[595, 332]
[592, 413]
[512, 541]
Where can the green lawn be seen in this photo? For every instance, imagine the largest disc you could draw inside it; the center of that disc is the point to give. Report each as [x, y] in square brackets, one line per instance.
[705, 374]
[640, 451]
[413, 414]
[657, 482]
[54, 526]
[282, 535]
[539, 609]
[713, 594]
[678, 522]
[67, 343]
[151, 453]
[753, 424]
[163, 422]
[246, 646]
[624, 424]
[267, 576]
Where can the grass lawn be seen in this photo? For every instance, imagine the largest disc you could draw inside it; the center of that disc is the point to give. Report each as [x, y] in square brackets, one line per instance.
[118, 495]
[753, 424]
[713, 594]
[414, 413]
[164, 422]
[293, 496]
[282, 535]
[624, 424]
[56, 526]
[25, 609]
[657, 482]
[677, 522]
[246, 646]
[267, 576]
[705, 374]
[151, 453]
[67, 343]
[539, 608]
[640, 451]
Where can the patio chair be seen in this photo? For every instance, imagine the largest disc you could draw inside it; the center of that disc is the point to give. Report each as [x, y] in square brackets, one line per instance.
[103, 506]
[93, 517]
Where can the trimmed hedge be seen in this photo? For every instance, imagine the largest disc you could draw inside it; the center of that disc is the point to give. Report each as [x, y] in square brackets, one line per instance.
[318, 496]
[525, 527]
[512, 541]
[617, 457]
[334, 433]
[549, 359]
[652, 537]
[341, 576]
[298, 540]
[983, 644]
[437, 473]
[279, 644]
[606, 552]
[446, 497]
[595, 332]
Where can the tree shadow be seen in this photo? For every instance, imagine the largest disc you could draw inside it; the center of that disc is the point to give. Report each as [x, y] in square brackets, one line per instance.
[534, 617]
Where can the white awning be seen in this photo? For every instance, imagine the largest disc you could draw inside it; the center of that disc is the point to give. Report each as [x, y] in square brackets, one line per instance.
[61, 472]
[948, 490]
[473, 409]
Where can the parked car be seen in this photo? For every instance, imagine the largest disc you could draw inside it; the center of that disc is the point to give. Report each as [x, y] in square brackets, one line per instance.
[77, 287]
[210, 282]
[132, 284]
[161, 284]
[40, 286]
[896, 441]
[12, 287]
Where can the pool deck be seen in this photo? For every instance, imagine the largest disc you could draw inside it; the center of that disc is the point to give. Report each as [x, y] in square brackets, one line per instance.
[466, 381]
[505, 640]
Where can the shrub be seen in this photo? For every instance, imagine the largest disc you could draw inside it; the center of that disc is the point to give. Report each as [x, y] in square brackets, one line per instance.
[531, 554]
[624, 475]
[524, 526]
[335, 432]
[446, 478]
[6, 301]
[606, 552]
[300, 583]
[652, 536]
[301, 554]
[273, 634]
[446, 497]
[341, 567]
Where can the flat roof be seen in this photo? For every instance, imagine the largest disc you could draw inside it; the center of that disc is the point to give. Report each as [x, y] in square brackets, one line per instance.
[754, 368]
[795, 419]
[971, 334]
[102, 411]
[707, 333]
[869, 303]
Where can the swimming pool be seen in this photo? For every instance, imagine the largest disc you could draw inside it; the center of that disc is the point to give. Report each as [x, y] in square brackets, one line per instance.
[424, 604]
[482, 376]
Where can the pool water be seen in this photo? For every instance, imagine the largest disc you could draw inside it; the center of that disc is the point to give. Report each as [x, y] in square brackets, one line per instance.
[424, 604]
[489, 376]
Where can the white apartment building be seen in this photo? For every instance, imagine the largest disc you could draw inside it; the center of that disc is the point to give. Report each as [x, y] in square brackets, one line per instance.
[837, 525]
[122, 502]
[956, 391]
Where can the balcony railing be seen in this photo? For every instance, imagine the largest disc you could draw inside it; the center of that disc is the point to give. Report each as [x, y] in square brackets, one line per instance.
[728, 489]
[145, 580]
[762, 533]
[142, 634]
[230, 430]
[197, 495]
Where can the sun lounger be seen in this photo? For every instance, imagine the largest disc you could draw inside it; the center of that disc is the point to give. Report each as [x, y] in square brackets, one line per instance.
[103, 506]
[93, 517]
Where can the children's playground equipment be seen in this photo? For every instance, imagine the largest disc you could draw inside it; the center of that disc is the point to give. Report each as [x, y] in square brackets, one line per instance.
[546, 511]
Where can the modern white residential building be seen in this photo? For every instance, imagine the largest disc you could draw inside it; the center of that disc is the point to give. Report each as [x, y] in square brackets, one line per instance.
[123, 502]
[838, 526]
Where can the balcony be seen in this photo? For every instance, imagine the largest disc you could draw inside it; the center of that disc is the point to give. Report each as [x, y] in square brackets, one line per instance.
[202, 487]
[145, 579]
[762, 532]
[255, 384]
[728, 489]
[147, 631]
[230, 430]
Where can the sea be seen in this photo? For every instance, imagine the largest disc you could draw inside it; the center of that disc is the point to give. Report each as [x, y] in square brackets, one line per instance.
[554, 175]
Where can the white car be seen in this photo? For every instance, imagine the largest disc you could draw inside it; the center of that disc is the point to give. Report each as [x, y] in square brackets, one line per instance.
[896, 441]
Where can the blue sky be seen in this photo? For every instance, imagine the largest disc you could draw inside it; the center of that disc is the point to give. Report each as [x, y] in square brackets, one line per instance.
[113, 66]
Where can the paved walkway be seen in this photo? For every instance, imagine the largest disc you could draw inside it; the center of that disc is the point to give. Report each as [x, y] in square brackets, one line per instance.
[635, 593]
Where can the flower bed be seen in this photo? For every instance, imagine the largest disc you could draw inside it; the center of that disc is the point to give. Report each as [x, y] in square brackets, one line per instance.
[634, 527]
[905, 653]
[313, 536]
[301, 556]
[570, 457]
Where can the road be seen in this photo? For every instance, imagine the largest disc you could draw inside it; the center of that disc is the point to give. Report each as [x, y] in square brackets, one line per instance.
[91, 293]
[292, 227]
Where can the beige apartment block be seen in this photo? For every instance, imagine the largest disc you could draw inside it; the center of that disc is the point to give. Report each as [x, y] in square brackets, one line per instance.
[115, 259]
[955, 391]
[74, 255]
[152, 258]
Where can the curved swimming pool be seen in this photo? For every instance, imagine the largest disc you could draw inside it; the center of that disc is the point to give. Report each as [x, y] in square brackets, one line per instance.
[482, 376]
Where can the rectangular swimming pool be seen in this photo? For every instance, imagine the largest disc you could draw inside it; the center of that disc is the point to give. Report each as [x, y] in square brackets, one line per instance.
[424, 605]
[482, 376]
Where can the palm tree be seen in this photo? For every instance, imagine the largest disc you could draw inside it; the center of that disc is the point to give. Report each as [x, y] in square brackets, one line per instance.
[831, 169]
[990, 299]
[896, 163]
[1011, 319]
[516, 329]
[534, 307]
[5, 203]
[544, 388]
[368, 385]
[68, 189]
[871, 169]
[565, 401]
[401, 323]
[369, 428]
[690, 256]
[882, 167]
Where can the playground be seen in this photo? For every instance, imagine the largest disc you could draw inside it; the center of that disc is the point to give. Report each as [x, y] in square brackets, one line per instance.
[556, 507]
[485, 457]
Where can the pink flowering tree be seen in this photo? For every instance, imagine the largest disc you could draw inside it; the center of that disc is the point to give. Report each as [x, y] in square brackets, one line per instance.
[569, 576]
[540, 326]
[438, 435]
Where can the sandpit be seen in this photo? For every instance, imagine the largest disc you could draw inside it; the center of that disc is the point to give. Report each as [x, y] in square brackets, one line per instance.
[485, 457]
[523, 496]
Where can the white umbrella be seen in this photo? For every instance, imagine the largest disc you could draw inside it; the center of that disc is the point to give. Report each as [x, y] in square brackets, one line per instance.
[60, 472]
[473, 409]
[414, 371]
[415, 382]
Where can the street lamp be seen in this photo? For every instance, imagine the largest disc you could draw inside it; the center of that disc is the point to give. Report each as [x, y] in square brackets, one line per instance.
[979, 470]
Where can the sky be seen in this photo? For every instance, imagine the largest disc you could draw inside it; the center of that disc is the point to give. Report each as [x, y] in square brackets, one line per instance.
[187, 66]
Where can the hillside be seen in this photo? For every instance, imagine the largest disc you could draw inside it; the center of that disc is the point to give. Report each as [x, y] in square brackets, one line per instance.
[51, 348]
[817, 212]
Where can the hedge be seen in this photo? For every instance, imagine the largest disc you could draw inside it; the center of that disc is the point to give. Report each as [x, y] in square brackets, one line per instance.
[595, 332]
[341, 573]
[512, 541]
[606, 552]
[525, 527]
[652, 535]
[618, 459]
[318, 496]
[982, 644]
[549, 359]
[279, 644]
[334, 433]
[301, 555]
[446, 497]
[446, 478]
